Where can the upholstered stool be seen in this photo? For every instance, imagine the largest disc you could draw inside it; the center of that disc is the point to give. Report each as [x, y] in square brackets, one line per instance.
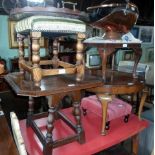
[116, 108]
[53, 27]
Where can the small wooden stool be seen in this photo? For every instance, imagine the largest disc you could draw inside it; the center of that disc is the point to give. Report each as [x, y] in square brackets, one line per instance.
[116, 108]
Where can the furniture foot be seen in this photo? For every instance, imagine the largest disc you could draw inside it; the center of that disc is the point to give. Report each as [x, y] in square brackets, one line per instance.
[50, 126]
[77, 114]
[47, 149]
[126, 118]
[107, 127]
[84, 111]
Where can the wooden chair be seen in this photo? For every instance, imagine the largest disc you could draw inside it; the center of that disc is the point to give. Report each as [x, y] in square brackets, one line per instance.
[17, 134]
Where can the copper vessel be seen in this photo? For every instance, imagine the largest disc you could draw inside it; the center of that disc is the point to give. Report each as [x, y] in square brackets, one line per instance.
[115, 17]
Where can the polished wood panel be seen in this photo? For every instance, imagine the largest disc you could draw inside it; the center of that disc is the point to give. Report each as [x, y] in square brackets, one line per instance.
[7, 144]
[50, 85]
[117, 82]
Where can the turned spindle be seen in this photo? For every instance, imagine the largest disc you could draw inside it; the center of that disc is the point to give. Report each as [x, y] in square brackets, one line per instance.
[37, 73]
[55, 54]
[30, 110]
[20, 39]
[80, 65]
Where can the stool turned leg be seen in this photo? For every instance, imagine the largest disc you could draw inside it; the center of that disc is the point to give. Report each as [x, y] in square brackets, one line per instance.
[21, 52]
[77, 114]
[55, 60]
[30, 111]
[36, 71]
[104, 99]
[143, 98]
[80, 65]
[47, 149]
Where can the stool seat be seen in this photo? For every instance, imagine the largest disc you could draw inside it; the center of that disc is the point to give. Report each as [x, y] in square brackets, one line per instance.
[50, 24]
[116, 108]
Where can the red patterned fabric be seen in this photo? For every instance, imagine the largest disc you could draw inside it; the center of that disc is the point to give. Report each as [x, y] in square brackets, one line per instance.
[116, 108]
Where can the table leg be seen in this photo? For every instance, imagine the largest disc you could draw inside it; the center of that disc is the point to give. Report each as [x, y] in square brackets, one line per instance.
[143, 98]
[79, 129]
[138, 54]
[135, 143]
[104, 99]
[30, 111]
[47, 148]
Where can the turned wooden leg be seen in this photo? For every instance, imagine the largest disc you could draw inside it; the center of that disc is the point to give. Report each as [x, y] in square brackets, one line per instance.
[55, 60]
[138, 54]
[103, 55]
[20, 39]
[80, 65]
[36, 71]
[143, 98]
[47, 149]
[104, 99]
[135, 142]
[77, 114]
[30, 111]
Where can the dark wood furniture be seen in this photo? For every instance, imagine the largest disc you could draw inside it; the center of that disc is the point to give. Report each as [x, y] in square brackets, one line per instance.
[7, 144]
[118, 132]
[14, 65]
[107, 48]
[116, 83]
[50, 87]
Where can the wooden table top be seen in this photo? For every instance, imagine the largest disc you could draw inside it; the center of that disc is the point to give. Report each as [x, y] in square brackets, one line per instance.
[50, 85]
[114, 44]
[7, 144]
[116, 82]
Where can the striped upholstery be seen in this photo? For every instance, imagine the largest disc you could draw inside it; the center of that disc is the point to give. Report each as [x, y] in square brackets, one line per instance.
[50, 24]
